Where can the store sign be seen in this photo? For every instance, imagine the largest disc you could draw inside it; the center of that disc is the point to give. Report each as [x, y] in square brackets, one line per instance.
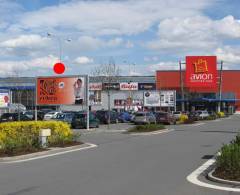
[146, 86]
[160, 98]
[111, 86]
[4, 100]
[61, 90]
[201, 71]
[129, 86]
[95, 86]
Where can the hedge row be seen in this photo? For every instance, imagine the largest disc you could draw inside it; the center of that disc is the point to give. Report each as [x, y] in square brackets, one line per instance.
[18, 136]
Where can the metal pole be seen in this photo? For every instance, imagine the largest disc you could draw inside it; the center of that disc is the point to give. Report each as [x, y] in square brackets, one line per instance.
[182, 91]
[109, 107]
[87, 100]
[220, 88]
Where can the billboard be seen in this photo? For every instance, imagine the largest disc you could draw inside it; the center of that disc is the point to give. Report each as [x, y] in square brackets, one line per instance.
[111, 86]
[166, 98]
[146, 86]
[4, 99]
[201, 72]
[61, 90]
[131, 86]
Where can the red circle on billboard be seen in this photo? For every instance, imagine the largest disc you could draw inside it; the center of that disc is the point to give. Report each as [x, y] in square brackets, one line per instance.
[59, 68]
[6, 99]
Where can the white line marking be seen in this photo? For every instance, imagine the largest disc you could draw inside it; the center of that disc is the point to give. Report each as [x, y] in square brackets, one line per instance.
[154, 132]
[193, 178]
[50, 155]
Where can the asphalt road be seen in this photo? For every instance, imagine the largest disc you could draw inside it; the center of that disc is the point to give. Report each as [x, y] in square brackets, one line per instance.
[124, 164]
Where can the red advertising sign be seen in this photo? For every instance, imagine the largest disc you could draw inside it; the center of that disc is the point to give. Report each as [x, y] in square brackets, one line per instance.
[201, 71]
[95, 86]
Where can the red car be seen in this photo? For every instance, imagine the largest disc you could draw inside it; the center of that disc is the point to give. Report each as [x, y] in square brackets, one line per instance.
[165, 118]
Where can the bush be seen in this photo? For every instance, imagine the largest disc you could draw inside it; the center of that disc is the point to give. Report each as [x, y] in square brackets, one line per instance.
[24, 135]
[229, 160]
[146, 128]
[189, 121]
[220, 114]
[183, 118]
[211, 117]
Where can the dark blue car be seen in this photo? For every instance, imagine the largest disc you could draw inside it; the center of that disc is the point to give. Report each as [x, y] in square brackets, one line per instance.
[124, 117]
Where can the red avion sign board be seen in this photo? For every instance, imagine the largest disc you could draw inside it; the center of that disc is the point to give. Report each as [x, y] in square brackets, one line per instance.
[201, 72]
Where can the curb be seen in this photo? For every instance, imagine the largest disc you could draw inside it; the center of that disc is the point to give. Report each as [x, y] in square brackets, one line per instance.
[45, 154]
[219, 180]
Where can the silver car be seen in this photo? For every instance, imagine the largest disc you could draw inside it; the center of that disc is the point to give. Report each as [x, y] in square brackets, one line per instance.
[144, 118]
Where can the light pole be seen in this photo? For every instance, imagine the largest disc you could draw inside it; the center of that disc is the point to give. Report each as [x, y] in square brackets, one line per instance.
[59, 40]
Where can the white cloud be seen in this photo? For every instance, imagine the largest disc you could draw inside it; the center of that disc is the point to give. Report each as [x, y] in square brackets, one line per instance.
[194, 33]
[21, 67]
[110, 17]
[230, 56]
[25, 41]
[150, 59]
[83, 60]
[129, 44]
[164, 66]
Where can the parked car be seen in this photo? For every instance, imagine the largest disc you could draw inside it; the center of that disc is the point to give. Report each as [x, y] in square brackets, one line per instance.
[31, 114]
[102, 116]
[124, 117]
[177, 114]
[203, 114]
[165, 118]
[80, 120]
[50, 116]
[9, 117]
[194, 116]
[144, 118]
[65, 117]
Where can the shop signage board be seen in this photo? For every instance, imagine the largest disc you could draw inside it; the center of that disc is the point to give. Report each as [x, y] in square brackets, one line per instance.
[164, 98]
[4, 99]
[146, 86]
[61, 90]
[201, 72]
[111, 86]
[131, 86]
[95, 86]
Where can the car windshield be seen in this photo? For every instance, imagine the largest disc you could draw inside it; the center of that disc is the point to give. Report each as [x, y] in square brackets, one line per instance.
[177, 113]
[161, 114]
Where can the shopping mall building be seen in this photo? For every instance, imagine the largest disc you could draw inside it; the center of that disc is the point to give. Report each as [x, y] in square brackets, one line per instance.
[128, 93]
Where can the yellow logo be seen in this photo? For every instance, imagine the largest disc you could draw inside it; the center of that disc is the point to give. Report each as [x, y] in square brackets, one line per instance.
[201, 66]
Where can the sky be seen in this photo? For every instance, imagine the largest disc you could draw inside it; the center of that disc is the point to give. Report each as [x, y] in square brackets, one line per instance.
[140, 36]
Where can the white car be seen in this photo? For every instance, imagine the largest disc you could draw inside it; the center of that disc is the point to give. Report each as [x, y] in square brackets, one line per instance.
[203, 114]
[177, 115]
[50, 116]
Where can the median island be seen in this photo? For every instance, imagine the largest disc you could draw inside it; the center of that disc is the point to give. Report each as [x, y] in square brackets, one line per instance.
[146, 128]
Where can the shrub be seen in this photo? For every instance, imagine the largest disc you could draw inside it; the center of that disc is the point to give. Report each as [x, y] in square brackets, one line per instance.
[183, 118]
[146, 128]
[189, 121]
[211, 117]
[229, 160]
[24, 135]
[220, 114]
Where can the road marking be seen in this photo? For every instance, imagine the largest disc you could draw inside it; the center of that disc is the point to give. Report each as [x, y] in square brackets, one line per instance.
[154, 132]
[193, 125]
[193, 178]
[55, 154]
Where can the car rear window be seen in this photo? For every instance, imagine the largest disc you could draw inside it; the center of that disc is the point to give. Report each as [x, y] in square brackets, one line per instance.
[140, 114]
[176, 112]
[161, 114]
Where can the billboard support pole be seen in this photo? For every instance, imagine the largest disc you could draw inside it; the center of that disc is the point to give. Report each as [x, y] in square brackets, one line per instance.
[220, 88]
[181, 83]
[87, 100]
[36, 99]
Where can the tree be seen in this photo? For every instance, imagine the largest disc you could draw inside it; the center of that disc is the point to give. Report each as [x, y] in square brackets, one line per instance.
[108, 74]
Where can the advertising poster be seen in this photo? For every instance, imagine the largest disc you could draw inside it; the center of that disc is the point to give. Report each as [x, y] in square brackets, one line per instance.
[164, 98]
[61, 90]
[95, 86]
[201, 72]
[4, 100]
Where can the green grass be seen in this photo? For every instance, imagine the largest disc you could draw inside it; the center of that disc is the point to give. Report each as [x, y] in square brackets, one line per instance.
[146, 128]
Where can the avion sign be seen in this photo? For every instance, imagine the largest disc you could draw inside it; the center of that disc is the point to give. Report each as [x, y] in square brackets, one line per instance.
[201, 71]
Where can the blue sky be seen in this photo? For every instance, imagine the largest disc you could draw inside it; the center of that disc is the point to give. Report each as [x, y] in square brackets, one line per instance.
[142, 36]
